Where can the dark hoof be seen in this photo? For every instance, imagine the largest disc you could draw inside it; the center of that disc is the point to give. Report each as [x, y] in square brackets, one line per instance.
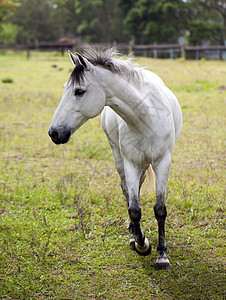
[143, 250]
[162, 263]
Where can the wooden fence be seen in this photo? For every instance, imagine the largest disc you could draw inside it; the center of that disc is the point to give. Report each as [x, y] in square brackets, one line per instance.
[156, 51]
[175, 51]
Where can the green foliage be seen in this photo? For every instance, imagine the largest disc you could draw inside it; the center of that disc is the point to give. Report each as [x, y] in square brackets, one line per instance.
[8, 33]
[63, 218]
[95, 21]
[216, 7]
[201, 31]
[145, 21]
[156, 21]
[7, 80]
[165, 21]
[6, 7]
[34, 21]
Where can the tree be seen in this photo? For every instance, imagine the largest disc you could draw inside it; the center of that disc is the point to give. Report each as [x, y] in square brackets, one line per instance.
[34, 19]
[219, 6]
[92, 20]
[201, 31]
[164, 21]
[8, 31]
[159, 21]
[103, 20]
[213, 12]
[64, 17]
[6, 6]
[145, 21]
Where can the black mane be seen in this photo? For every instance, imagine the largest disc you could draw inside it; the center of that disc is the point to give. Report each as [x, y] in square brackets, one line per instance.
[105, 59]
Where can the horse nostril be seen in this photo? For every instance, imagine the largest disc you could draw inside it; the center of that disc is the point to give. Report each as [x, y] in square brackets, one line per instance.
[53, 134]
[66, 137]
[60, 136]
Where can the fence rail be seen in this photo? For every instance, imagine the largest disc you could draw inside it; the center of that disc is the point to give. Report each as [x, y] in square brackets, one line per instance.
[157, 51]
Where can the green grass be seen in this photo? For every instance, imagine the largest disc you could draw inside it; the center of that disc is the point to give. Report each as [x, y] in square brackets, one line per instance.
[63, 219]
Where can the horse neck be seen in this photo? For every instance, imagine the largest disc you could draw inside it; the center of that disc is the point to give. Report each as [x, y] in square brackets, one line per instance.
[126, 100]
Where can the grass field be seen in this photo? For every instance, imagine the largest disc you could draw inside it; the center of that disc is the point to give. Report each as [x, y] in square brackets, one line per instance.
[63, 219]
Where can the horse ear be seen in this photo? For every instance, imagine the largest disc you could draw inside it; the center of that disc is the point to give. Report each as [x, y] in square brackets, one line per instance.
[84, 62]
[72, 57]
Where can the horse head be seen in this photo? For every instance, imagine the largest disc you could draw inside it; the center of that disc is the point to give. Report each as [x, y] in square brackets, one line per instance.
[83, 98]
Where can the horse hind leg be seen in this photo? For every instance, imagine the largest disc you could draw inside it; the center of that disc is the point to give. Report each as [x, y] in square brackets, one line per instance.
[162, 172]
[131, 225]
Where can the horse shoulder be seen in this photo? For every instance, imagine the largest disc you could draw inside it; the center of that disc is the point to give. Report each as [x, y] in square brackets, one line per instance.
[164, 102]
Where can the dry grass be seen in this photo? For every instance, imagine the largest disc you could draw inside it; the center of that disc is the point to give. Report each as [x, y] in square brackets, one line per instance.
[63, 219]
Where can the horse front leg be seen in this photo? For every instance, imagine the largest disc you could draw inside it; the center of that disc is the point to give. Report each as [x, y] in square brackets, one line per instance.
[162, 172]
[138, 242]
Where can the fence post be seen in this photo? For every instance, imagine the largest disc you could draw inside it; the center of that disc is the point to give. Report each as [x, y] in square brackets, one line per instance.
[197, 54]
[115, 44]
[155, 52]
[171, 53]
[28, 52]
[131, 44]
[183, 53]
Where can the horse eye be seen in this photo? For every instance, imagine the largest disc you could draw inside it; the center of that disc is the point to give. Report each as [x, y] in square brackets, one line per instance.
[79, 92]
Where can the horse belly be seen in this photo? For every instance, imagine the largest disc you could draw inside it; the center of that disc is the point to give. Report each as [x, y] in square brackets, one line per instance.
[145, 148]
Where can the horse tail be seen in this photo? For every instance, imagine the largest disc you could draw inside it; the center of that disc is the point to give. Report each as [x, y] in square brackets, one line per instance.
[151, 180]
[149, 184]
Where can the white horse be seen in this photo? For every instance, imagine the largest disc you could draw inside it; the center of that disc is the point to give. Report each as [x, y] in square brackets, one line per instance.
[142, 120]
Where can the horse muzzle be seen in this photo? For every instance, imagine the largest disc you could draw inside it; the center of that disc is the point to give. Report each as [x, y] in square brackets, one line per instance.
[59, 136]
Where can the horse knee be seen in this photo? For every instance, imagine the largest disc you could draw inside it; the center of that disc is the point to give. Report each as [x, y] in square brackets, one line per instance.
[160, 212]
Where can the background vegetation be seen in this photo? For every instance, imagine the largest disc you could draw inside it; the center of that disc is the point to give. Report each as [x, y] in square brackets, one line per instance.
[144, 21]
[63, 219]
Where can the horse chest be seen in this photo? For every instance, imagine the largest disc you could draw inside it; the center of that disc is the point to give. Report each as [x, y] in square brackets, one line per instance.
[136, 147]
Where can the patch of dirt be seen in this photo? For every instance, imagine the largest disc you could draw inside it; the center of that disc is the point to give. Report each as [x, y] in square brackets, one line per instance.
[222, 87]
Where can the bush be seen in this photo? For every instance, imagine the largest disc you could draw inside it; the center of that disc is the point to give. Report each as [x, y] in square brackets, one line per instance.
[7, 80]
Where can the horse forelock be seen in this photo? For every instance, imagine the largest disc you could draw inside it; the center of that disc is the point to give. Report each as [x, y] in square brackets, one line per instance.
[77, 75]
[108, 60]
